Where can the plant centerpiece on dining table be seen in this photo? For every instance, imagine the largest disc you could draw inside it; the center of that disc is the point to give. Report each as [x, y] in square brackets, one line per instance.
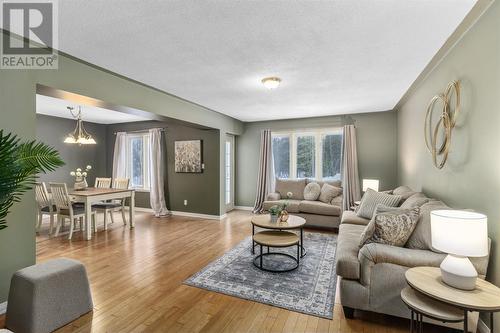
[81, 177]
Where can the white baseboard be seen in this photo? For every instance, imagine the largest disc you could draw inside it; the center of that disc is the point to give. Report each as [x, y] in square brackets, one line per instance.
[243, 208]
[201, 216]
[481, 327]
[187, 214]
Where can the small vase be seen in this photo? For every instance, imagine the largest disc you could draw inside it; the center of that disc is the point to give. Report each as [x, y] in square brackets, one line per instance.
[274, 218]
[81, 183]
[284, 216]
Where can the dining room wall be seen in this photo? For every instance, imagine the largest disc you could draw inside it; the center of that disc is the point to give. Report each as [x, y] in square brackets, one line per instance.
[53, 130]
[197, 188]
[18, 90]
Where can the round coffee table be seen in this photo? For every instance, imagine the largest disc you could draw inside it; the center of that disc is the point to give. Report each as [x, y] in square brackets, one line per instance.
[485, 298]
[273, 239]
[293, 222]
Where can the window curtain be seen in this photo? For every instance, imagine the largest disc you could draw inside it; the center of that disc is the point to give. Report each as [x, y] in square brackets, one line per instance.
[350, 175]
[265, 179]
[120, 156]
[157, 172]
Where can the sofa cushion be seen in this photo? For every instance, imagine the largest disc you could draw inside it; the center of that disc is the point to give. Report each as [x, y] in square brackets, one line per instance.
[416, 200]
[373, 198]
[295, 186]
[292, 205]
[350, 217]
[274, 196]
[328, 192]
[336, 183]
[389, 225]
[312, 191]
[404, 191]
[347, 251]
[318, 207]
[337, 201]
[421, 236]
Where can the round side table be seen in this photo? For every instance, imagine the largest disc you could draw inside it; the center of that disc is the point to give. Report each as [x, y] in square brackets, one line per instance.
[293, 222]
[276, 239]
[485, 298]
[423, 306]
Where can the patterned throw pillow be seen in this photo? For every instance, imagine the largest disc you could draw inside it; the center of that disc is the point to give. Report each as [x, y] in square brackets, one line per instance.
[373, 198]
[312, 191]
[392, 226]
[328, 192]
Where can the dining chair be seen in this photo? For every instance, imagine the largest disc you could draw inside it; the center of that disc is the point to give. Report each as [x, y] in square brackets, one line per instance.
[45, 206]
[114, 205]
[101, 182]
[66, 209]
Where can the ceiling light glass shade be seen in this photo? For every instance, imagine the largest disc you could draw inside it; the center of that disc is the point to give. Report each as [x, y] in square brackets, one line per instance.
[80, 135]
[370, 183]
[459, 232]
[271, 82]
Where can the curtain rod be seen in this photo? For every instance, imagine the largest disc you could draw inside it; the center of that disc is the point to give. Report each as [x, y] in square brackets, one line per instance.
[141, 131]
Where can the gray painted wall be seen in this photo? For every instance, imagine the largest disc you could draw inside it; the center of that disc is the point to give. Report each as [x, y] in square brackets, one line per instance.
[376, 142]
[53, 130]
[199, 189]
[471, 177]
[17, 114]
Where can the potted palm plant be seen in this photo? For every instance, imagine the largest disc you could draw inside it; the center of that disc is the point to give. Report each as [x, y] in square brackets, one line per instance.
[20, 162]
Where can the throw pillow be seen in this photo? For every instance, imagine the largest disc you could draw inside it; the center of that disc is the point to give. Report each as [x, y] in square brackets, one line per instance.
[421, 237]
[392, 226]
[373, 198]
[416, 200]
[328, 192]
[404, 191]
[295, 186]
[312, 191]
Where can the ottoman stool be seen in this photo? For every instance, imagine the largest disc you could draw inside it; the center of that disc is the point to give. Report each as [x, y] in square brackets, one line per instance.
[47, 296]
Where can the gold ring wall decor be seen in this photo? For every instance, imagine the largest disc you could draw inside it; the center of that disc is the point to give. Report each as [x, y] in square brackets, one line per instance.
[443, 127]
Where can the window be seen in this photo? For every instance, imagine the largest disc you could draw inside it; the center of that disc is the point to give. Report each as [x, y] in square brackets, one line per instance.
[228, 172]
[281, 153]
[308, 154]
[138, 161]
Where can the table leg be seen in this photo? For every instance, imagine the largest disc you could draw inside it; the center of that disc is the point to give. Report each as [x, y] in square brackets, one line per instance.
[302, 252]
[253, 243]
[261, 255]
[132, 209]
[411, 321]
[466, 322]
[88, 223]
[492, 329]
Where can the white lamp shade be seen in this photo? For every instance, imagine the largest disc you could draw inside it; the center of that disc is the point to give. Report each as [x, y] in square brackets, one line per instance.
[370, 183]
[459, 232]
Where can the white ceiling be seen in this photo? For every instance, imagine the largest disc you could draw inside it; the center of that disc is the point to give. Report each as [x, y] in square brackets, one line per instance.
[334, 57]
[56, 107]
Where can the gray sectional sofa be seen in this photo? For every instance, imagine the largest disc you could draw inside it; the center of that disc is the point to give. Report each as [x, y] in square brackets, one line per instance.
[372, 277]
[317, 213]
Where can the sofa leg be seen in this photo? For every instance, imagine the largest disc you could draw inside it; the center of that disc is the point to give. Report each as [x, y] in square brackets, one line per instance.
[348, 312]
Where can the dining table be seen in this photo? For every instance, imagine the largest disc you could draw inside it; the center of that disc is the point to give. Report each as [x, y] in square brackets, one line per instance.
[92, 195]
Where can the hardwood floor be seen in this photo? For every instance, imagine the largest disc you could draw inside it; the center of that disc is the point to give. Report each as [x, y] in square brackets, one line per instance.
[136, 279]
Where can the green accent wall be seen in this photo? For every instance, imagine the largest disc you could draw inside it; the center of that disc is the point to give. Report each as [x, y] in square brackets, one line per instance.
[471, 177]
[197, 188]
[17, 114]
[376, 142]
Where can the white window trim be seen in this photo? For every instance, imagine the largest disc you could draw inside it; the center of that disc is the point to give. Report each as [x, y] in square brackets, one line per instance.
[146, 161]
[318, 142]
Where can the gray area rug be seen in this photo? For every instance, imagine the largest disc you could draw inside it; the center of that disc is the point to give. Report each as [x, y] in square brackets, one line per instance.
[309, 289]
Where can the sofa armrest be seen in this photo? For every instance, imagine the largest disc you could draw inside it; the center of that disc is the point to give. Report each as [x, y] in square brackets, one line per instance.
[374, 253]
[275, 196]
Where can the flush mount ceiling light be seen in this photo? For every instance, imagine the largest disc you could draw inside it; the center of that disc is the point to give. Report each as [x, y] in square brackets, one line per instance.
[79, 135]
[271, 82]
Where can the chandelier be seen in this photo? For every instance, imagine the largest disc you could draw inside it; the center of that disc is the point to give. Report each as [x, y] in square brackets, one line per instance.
[79, 135]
